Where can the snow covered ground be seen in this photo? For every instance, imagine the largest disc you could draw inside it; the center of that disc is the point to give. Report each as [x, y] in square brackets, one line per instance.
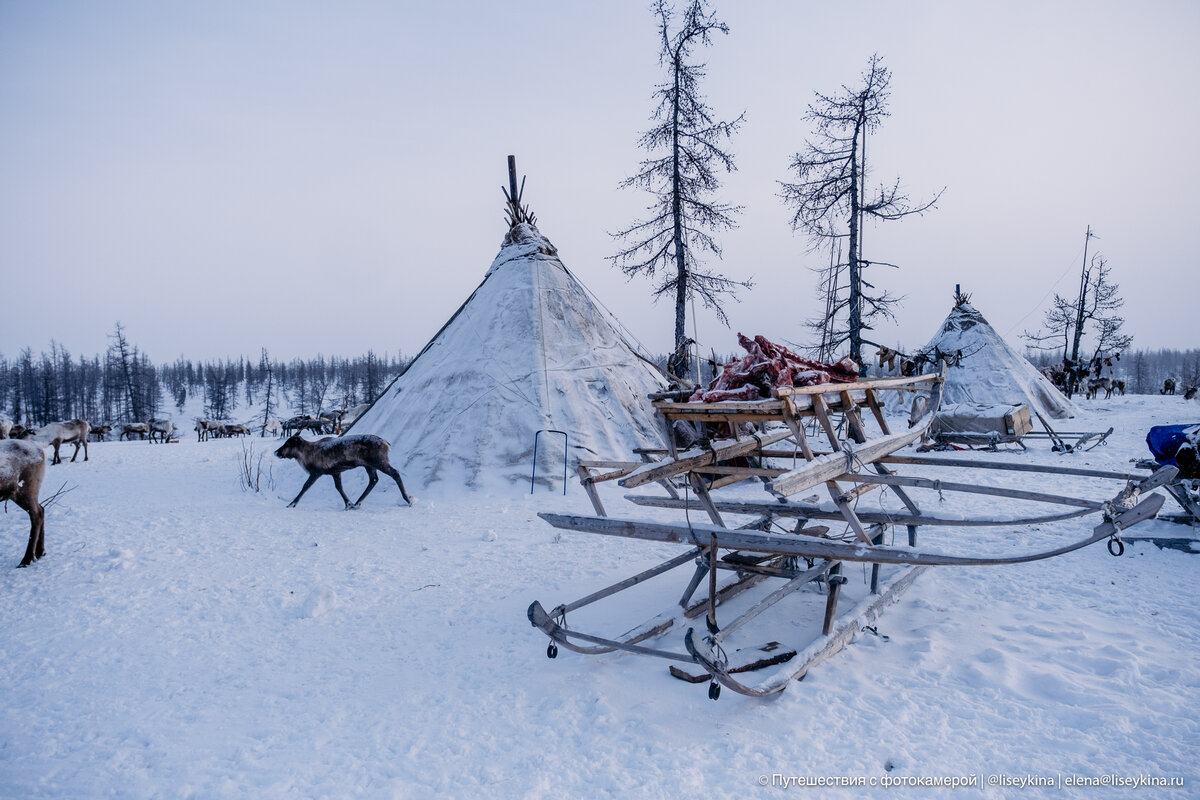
[186, 638]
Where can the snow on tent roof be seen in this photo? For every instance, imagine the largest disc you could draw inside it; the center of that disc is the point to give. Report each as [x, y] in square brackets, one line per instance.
[529, 350]
[991, 372]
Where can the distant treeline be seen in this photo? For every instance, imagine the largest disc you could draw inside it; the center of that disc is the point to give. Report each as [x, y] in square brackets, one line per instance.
[123, 385]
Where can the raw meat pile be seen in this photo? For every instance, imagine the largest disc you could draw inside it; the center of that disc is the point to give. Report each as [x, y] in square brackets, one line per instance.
[767, 366]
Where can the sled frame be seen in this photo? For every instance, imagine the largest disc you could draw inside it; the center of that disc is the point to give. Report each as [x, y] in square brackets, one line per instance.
[851, 463]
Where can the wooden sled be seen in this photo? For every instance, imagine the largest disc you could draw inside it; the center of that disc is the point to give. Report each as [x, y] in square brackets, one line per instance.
[1084, 440]
[1185, 492]
[780, 547]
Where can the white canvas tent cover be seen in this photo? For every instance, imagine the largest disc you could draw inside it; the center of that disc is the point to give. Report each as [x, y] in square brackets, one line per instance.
[529, 350]
[989, 371]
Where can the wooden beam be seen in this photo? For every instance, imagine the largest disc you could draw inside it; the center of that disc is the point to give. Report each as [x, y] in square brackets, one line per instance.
[821, 410]
[812, 547]
[858, 491]
[796, 510]
[589, 487]
[797, 429]
[726, 406]
[744, 472]
[877, 410]
[590, 464]
[829, 467]
[706, 501]
[874, 383]
[698, 457]
[970, 488]
[728, 480]
[791, 586]
[925, 461]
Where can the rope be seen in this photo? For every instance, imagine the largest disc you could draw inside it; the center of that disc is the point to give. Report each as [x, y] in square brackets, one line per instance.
[612, 318]
[1070, 266]
[548, 417]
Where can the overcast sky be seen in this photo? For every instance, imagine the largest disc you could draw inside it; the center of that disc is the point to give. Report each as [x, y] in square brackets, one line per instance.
[325, 177]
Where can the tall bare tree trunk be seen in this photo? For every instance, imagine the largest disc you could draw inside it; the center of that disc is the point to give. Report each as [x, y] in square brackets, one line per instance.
[680, 365]
[1079, 313]
[855, 260]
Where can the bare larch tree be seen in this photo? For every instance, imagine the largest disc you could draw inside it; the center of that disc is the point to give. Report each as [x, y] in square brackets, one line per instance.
[1098, 302]
[832, 202]
[269, 402]
[686, 147]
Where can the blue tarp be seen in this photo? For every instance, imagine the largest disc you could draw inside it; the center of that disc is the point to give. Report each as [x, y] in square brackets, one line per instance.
[1164, 440]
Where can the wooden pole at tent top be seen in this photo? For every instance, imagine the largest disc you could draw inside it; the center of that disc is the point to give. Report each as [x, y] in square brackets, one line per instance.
[512, 180]
[516, 212]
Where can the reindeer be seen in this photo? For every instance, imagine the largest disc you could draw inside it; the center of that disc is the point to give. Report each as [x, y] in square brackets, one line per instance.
[1056, 375]
[335, 456]
[1119, 387]
[205, 428]
[234, 430]
[22, 467]
[330, 421]
[273, 427]
[1168, 386]
[129, 429]
[56, 434]
[98, 432]
[351, 416]
[1094, 385]
[160, 430]
[297, 423]
[1190, 393]
[6, 426]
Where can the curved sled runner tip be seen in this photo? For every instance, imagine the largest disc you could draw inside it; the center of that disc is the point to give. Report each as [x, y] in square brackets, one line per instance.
[547, 624]
[713, 660]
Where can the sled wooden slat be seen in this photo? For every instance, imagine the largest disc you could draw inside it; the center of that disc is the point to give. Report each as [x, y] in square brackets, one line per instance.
[699, 457]
[970, 488]
[827, 468]
[756, 411]
[744, 472]
[811, 547]
[795, 510]
[609, 464]
[587, 481]
[873, 383]
[932, 461]
[877, 410]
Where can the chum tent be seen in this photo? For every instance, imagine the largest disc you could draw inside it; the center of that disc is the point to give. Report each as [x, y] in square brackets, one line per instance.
[989, 371]
[530, 350]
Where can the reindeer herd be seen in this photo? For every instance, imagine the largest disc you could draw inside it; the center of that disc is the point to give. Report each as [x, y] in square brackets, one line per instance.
[1072, 381]
[23, 456]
